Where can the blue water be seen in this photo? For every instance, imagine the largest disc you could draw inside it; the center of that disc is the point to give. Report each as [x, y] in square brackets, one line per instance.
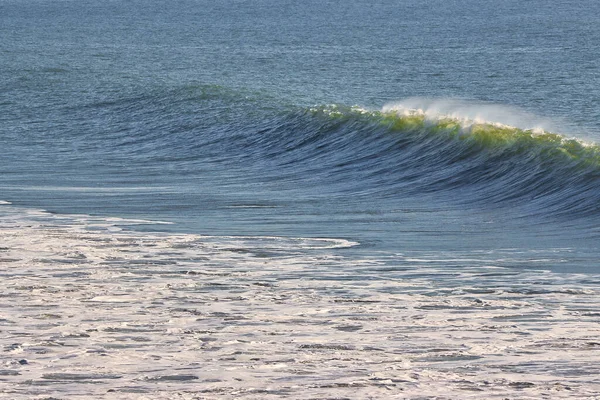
[301, 199]
[236, 117]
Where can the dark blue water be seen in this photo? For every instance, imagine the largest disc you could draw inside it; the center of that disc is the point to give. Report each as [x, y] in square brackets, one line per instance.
[264, 118]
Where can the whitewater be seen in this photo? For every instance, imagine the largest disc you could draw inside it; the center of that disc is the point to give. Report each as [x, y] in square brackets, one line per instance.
[92, 310]
[332, 200]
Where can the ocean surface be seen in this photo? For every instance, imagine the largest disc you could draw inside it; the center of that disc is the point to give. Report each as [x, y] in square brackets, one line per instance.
[315, 200]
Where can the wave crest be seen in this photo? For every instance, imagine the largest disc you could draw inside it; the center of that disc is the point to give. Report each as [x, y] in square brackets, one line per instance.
[490, 136]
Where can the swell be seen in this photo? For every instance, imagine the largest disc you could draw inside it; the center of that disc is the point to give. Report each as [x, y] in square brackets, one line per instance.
[339, 151]
[333, 151]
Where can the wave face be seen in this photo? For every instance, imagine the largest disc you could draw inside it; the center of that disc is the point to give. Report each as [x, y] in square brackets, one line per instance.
[478, 161]
[207, 139]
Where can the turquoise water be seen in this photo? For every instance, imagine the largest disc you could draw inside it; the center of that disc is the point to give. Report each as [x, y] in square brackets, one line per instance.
[460, 135]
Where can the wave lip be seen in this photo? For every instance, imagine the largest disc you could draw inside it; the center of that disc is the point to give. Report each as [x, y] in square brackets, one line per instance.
[475, 111]
[494, 135]
[525, 135]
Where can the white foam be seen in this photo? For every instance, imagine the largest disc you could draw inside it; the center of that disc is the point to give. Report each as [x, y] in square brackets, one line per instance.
[177, 315]
[473, 111]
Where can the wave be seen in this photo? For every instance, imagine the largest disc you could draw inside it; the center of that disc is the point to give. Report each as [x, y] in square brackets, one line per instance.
[438, 151]
[412, 151]
[493, 137]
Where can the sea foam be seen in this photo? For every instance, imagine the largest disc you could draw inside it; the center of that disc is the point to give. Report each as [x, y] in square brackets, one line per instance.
[96, 312]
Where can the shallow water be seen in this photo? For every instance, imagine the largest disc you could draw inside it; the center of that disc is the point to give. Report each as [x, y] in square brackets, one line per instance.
[93, 310]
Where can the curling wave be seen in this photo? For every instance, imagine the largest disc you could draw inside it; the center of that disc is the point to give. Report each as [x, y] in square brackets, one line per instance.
[408, 151]
[330, 151]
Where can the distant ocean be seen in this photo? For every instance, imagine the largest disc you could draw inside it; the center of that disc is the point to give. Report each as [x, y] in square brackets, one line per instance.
[313, 200]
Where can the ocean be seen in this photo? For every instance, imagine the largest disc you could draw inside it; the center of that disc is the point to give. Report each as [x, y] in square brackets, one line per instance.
[310, 200]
